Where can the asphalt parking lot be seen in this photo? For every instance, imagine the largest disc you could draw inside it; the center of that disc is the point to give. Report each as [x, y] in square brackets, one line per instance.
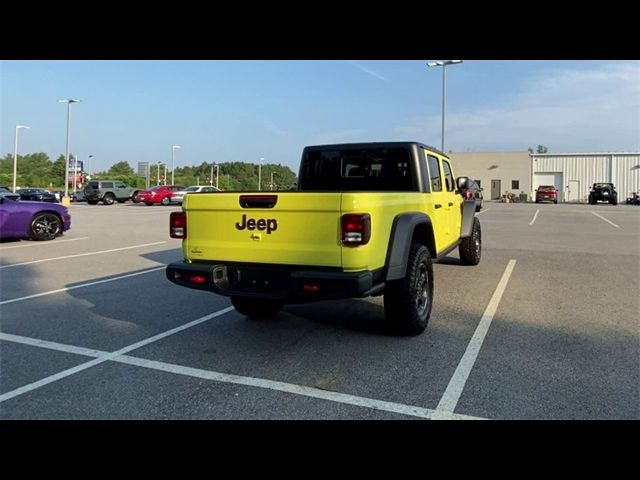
[546, 327]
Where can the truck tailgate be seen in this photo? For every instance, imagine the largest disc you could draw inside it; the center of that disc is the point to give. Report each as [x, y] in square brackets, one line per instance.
[292, 228]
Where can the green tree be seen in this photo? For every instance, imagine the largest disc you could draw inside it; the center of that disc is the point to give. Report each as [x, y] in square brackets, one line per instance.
[121, 168]
[57, 171]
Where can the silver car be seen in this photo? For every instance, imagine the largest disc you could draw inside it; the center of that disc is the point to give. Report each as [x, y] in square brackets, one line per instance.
[178, 196]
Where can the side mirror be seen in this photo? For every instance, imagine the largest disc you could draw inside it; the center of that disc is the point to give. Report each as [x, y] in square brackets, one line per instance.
[462, 182]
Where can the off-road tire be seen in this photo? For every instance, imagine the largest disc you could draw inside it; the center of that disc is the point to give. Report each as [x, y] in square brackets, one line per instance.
[108, 199]
[92, 202]
[256, 307]
[470, 248]
[408, 301]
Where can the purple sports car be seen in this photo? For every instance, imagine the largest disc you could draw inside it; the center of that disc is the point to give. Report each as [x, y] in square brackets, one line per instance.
[35, 220]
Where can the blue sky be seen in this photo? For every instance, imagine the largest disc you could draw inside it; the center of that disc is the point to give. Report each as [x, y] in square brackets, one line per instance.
[242, 110]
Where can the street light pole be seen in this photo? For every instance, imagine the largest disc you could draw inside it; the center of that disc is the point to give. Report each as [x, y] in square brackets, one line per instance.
[75, 173]
[217, 175]
[68, 101]
[260, 174]
[173, 159]
[158, 179]
[89, 166]
[443, 64]
[15, 156]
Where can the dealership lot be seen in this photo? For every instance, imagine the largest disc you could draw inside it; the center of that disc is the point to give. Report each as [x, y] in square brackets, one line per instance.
[546, 327]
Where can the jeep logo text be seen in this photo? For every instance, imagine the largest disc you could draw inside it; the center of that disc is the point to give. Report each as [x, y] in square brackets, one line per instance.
[269, 224]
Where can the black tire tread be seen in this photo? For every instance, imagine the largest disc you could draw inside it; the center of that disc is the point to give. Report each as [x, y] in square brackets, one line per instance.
[399, 298]
[467, 249]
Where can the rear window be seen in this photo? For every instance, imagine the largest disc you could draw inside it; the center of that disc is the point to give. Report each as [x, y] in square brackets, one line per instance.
[377, 169]
[546, 188]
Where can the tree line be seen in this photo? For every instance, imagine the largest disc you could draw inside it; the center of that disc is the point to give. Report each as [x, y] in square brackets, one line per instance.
[37, 170]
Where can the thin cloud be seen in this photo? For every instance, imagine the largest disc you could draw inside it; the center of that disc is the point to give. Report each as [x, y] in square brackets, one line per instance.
[368, 71]
[566, 110]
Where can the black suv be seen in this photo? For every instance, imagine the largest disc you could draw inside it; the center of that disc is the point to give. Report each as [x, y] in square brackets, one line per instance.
[470, 190]
[603, 192]
[108, 192]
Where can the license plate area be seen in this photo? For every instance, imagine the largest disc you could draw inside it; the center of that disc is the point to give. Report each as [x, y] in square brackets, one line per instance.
[258, 279]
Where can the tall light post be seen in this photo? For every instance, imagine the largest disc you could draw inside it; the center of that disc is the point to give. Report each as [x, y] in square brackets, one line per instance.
[443, 64]
[75, 173]
[158, 179]
[217, 175]
[68, 101]
[260, 174]
[89, 167]
[173, 160]
[15, 156]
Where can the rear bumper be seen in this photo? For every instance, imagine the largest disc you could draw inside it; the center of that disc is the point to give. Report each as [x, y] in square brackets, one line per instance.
[286, 284]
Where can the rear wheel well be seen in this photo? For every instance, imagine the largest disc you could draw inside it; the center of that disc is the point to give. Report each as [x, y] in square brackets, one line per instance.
[423, 234]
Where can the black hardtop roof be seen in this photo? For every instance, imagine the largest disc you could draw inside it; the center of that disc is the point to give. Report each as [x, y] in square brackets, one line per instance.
[365, 145]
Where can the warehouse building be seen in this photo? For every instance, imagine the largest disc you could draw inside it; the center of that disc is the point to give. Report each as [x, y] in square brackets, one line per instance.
[573, 174]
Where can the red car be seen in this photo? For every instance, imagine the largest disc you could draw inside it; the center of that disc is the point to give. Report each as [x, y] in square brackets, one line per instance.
[546, 193]
[158, 194]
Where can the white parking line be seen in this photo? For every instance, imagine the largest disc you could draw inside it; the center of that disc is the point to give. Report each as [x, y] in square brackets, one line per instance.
[37, 244]
[80, 255]
[107, 356]
[534, 217]
[82, 285]
[482, 211]
[608, 221]
[449, 400]
[294, 389]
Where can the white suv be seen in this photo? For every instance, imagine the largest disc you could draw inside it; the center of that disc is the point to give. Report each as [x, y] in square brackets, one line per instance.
[179, 195]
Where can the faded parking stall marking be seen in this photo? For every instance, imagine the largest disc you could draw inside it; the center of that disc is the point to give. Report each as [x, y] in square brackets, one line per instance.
[608, 221]
[36, 244]
[449, 400]
[83, 285]
[108, 356]
[80, 255]
[534, 217]
[302, 390]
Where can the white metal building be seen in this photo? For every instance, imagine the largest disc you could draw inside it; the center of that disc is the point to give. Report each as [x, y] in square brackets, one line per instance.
[573, 174]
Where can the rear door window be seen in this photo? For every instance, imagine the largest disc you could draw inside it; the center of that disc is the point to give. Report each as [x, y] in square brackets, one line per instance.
[448, 176]
[434, 174]
[107, 184]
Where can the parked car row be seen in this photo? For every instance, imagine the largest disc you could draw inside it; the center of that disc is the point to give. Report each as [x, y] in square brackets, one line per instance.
[171, 194]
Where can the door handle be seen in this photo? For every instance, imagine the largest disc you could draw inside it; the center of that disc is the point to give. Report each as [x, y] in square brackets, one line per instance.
[451, 204]
[437, 205]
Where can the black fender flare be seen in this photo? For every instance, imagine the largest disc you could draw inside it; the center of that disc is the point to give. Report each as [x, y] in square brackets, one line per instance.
[468, 214]
[402, 234]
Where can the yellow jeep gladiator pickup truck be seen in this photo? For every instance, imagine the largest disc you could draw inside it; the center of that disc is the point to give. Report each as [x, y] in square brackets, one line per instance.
[366, 219]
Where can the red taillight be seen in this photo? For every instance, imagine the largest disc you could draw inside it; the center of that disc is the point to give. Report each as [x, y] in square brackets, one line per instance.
[311, 288]
[196, 278]
[356, 229]
[178, 225]
[468, 194]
